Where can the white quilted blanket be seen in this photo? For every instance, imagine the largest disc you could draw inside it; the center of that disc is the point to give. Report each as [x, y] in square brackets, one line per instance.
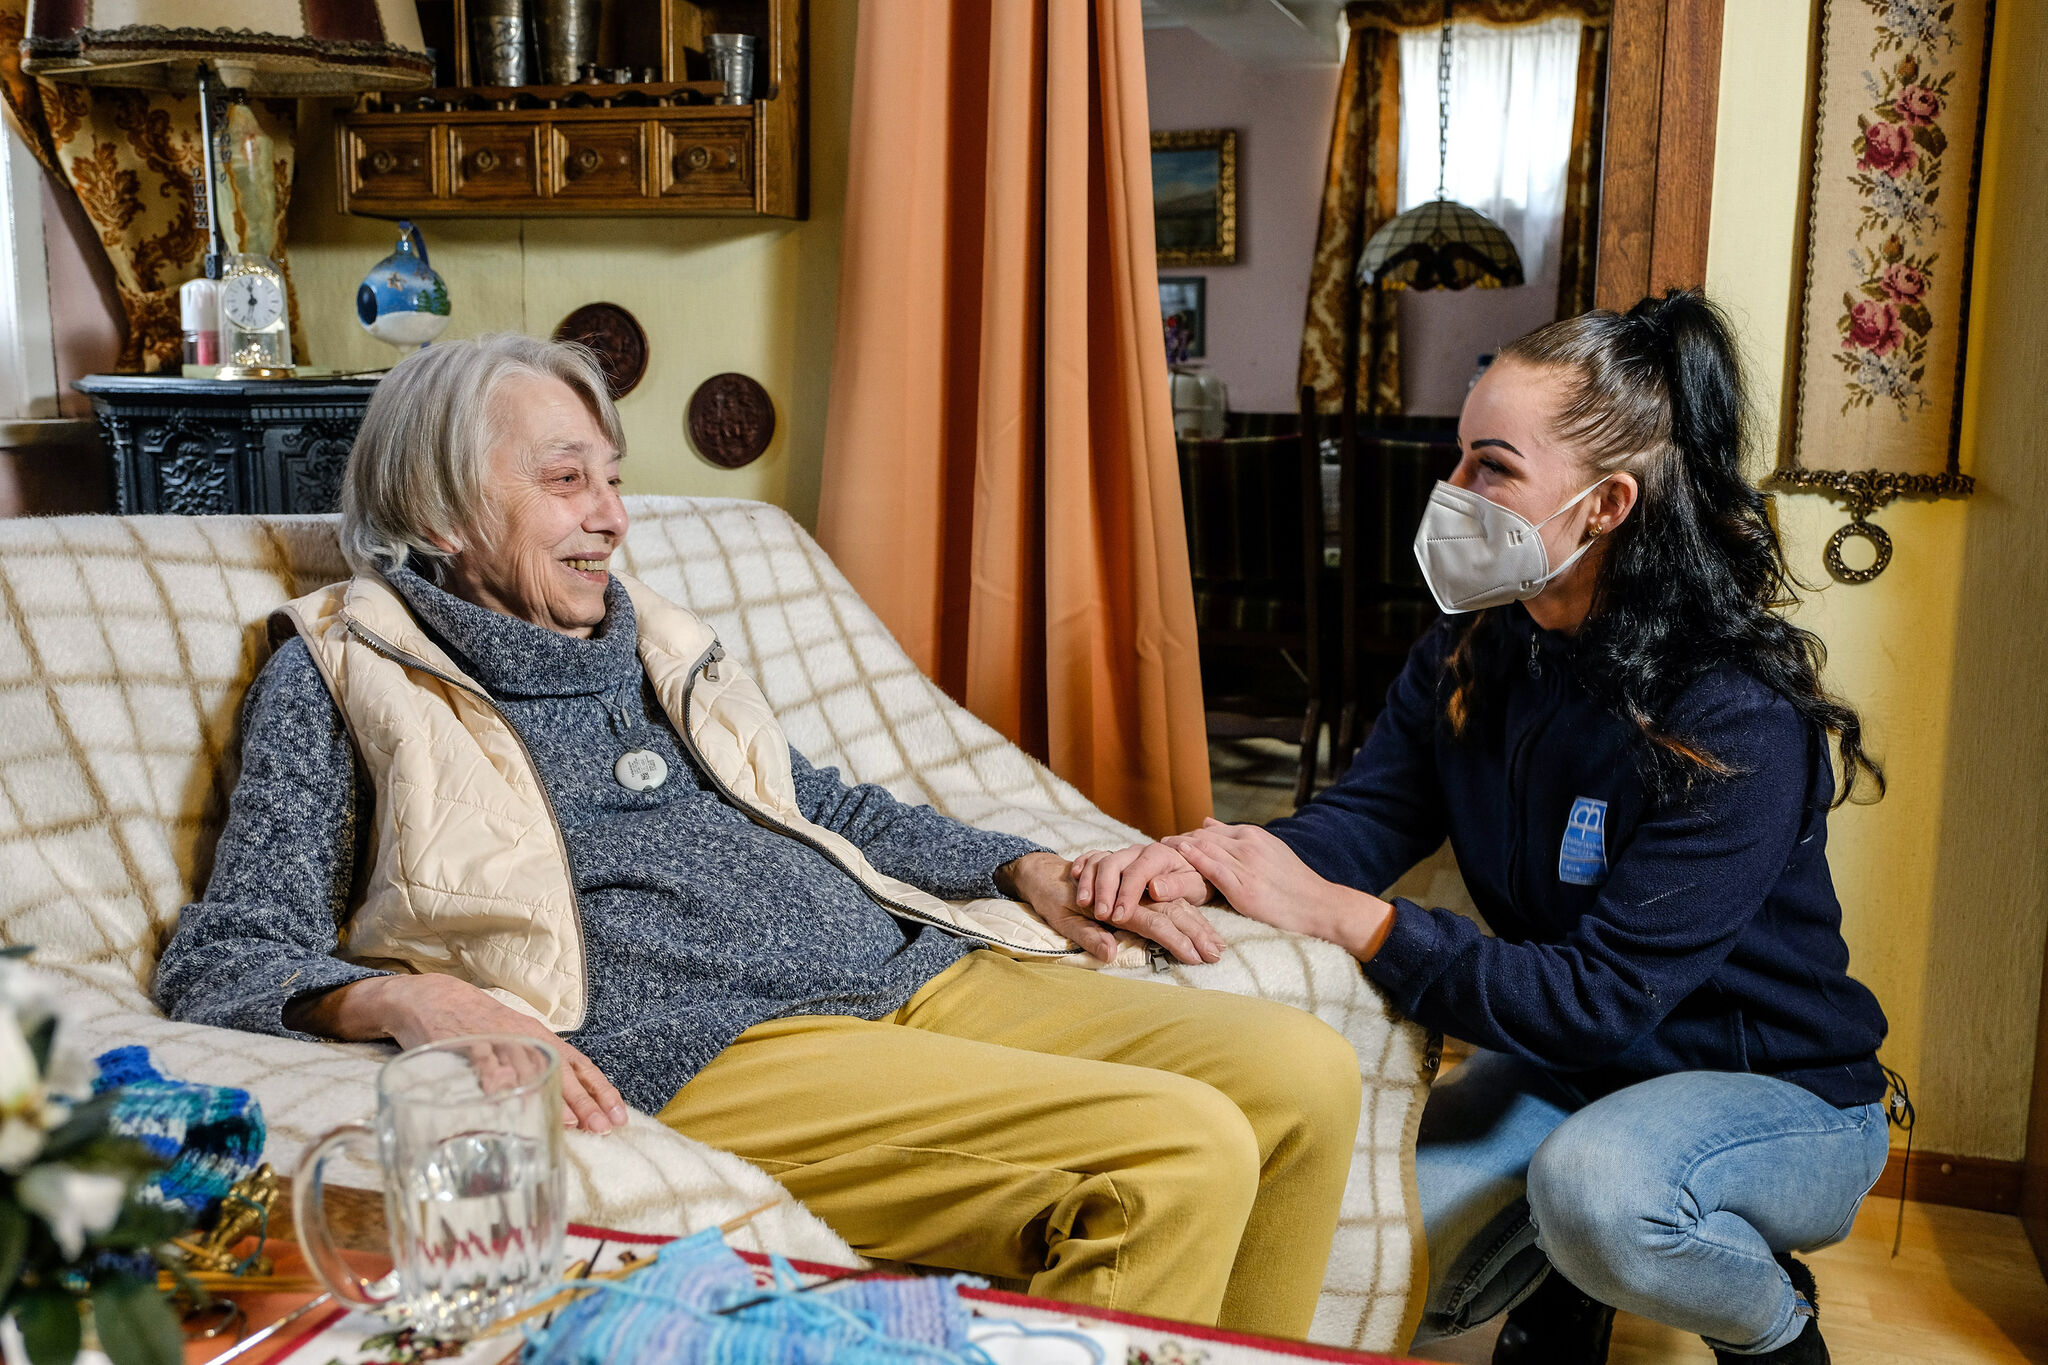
[126, 643]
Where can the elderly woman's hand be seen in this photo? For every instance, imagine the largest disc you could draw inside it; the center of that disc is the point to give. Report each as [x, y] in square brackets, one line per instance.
[414, 1010]
[1046, 882]
[1112, 884]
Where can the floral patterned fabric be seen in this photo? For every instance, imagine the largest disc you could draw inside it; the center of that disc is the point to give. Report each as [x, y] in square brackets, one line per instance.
[133, 158]
[1887, 286]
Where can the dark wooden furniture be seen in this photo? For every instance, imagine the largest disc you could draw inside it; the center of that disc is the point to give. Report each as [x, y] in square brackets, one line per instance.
[1384, 482]
[659, 148]
[197, 446]
[1254, 513]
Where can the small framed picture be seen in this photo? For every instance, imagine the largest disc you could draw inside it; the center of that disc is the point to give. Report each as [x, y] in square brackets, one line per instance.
[1184, 312]
[1194, 196]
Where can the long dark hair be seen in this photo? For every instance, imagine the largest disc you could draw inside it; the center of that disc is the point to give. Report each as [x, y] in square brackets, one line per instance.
[1696, 578]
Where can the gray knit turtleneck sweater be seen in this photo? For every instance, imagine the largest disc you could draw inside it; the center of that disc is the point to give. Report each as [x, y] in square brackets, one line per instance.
[697, 922]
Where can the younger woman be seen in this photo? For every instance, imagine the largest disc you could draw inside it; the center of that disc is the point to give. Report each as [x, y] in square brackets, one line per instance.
[1633, 758]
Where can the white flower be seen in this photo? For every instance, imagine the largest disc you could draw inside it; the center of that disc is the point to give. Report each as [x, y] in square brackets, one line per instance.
[72, 1071]
[23, 992]
[21, 1081]
[73, 1202]
[20, 1142]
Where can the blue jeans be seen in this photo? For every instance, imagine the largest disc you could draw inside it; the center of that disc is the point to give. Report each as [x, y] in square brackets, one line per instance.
[1666, 1199]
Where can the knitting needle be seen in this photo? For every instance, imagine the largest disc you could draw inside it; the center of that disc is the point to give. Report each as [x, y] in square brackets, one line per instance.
[249, 1344]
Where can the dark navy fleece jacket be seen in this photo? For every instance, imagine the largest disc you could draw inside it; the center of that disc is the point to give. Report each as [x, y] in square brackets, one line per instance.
[1632, 936]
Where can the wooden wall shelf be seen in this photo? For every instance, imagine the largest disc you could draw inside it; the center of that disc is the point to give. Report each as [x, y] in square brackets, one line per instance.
[659, 148]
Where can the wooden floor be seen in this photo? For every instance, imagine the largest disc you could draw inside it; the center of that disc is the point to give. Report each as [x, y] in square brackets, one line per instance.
[1964, 1289]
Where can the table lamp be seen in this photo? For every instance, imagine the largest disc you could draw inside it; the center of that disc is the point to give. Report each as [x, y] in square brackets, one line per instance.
[236, 48]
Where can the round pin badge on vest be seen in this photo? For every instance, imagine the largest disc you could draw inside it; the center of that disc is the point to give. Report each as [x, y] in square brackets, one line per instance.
[640, 770]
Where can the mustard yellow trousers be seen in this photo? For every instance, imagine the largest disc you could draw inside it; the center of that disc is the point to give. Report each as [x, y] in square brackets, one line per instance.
[1122, 1144]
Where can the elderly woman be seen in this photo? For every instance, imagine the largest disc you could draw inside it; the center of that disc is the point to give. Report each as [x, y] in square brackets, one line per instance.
[490, 786]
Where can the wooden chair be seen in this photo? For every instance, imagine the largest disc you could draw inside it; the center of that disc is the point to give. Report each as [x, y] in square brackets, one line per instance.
[1384, 482]
[1255, 538]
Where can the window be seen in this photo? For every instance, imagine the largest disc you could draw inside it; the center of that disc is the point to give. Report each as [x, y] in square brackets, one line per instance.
[1513, 91]
[28, 371]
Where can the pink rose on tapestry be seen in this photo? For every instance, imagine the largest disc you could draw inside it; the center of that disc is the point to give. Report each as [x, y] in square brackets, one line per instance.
[1906, 284]
[1874, 327]
[1917, 105]
[1888, 147]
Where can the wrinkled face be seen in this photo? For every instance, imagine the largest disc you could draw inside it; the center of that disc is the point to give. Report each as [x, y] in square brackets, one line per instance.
[1508, 455]
[553, 514]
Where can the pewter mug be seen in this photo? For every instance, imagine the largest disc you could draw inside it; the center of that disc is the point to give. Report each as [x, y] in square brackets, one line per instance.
[568, 37]
[469, 1135]
[497, 42]
[732, 61]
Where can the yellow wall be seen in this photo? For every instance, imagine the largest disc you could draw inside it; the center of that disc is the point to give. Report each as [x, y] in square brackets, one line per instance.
[1944, 884]
[713, 294]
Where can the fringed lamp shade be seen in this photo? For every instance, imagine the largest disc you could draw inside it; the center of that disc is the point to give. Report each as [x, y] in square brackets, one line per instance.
[267, 47]
[1440, 245]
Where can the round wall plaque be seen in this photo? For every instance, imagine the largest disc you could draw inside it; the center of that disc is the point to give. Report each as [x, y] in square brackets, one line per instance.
[731, 420]
[615, 335]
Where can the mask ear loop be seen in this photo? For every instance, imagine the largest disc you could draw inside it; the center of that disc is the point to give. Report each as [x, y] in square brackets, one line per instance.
[1530, 585]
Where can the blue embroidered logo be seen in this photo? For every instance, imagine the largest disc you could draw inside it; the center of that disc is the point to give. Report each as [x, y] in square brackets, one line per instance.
[1582, 857]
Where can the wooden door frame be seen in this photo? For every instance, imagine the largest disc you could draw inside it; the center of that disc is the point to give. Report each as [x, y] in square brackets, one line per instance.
[1657, 156]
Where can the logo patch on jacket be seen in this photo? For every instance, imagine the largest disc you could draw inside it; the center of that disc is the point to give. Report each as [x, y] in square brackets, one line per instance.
[1582, 857]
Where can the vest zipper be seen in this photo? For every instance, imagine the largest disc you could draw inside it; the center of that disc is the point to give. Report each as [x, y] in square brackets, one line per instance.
[397, 655]
[706, 662]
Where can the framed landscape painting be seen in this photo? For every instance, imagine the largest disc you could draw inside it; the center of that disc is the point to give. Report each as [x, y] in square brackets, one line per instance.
[1194, 196]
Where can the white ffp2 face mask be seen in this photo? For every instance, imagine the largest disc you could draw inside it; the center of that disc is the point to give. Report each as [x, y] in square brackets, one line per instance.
[1476, 553]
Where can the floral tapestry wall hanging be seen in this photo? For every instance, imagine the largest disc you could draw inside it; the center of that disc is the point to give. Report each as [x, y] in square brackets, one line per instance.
[1898, 131]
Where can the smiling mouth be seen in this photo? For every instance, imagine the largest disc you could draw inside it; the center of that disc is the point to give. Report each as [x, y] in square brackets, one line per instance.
[586, 565]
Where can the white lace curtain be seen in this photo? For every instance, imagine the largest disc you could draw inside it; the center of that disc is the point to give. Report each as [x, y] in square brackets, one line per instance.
[1512, 97]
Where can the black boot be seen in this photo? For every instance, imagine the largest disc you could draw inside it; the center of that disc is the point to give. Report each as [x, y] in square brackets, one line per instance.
[1556, 1325]
[1805, 1349]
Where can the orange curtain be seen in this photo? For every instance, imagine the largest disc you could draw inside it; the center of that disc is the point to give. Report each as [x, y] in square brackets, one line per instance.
[1000, 481]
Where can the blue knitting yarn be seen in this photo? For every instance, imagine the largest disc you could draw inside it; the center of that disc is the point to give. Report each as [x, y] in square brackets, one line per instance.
[210, 1135]
[668, 1312]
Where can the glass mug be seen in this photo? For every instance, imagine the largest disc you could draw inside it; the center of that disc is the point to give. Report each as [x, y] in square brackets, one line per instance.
[469, 1135]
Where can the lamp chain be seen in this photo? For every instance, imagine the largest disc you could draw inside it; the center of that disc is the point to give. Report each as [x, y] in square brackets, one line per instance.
[1443, 101]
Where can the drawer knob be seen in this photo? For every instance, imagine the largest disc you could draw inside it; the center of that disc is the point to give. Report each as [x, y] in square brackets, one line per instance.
[382, 162]
[697, 158]
[485, 160]
[584, 161]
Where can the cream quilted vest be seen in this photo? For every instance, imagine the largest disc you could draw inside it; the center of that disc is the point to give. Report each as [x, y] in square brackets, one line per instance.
[468, 873]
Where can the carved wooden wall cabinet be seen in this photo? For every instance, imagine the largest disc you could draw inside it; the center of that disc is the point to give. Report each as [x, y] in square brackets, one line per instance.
[658, 147]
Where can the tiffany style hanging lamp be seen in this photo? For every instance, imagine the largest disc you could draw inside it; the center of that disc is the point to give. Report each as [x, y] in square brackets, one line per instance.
[1441, 244]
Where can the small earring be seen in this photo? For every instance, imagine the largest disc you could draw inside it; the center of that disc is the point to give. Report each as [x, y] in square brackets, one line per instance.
[1594, 531]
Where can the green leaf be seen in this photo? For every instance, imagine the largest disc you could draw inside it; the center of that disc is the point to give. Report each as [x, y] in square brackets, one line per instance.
[39, 1042]
[49, 1326]
[136, 1326]
[14, 1228]
[87, 1122]
[143, 1225]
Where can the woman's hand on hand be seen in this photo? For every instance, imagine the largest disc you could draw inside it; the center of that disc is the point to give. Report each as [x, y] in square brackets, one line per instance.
[1046, 881]
[431, 1007]
[1111, 884]
[1263, 879]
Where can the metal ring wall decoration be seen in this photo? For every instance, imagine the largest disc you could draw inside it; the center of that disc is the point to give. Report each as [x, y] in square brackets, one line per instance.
[1879, 542]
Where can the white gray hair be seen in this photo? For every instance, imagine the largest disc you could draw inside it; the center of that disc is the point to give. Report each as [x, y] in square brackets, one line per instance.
[415, 479]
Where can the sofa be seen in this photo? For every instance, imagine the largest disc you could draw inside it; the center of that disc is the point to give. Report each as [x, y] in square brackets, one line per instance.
[126, 644]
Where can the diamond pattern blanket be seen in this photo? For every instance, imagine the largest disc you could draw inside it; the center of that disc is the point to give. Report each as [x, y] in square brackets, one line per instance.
[126, 644]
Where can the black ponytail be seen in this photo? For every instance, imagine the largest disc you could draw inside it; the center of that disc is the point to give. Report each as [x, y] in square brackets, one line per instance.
[1696, 578]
